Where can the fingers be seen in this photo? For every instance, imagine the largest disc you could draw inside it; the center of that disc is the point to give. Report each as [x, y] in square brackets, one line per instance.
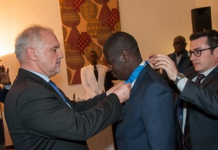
[152, 59]
[112, 89]
[123, 92]
[166, 63]
[2, 69]
[152, 56]
[162, 61]
[163, 58]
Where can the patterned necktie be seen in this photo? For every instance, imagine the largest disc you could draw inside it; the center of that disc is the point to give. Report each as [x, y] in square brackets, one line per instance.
[59, 92]
[96, 73]
[187, 136]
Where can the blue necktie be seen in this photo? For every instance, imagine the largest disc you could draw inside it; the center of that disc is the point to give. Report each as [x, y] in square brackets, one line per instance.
[59, 92]
[135, 74]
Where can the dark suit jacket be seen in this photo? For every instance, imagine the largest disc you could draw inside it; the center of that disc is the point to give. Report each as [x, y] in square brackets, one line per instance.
[204, 111]
[148, 116]
[3, 93]
[39, 119]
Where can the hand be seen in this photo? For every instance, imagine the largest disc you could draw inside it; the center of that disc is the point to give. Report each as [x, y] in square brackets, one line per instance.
[122, 91]
[164, 62]
[4, 76]
[113, 88]
[150, 59]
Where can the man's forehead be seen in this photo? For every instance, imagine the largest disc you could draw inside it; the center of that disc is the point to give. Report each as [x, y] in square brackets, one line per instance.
[195, 45]
[199, 41]
[110, 59]
[93, 53]
[179, 39]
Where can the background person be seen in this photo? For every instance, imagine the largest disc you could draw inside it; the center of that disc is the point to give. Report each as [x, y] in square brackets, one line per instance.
[93, 84]
[180, 58]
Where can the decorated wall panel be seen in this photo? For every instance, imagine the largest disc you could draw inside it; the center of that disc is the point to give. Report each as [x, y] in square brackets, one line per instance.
[86, 24]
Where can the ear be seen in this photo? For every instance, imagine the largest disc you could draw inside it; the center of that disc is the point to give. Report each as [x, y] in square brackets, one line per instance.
[215, 51]
[32, 53]
[125, 56]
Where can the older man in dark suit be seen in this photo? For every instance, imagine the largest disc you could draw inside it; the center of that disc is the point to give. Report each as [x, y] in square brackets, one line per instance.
[38, 114]
[180, 58]
[180, 55]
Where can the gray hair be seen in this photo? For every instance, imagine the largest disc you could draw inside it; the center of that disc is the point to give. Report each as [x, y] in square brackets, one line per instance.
[30, 37]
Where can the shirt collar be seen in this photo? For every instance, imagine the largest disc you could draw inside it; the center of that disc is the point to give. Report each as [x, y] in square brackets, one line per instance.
[208, 71]
[40, 75]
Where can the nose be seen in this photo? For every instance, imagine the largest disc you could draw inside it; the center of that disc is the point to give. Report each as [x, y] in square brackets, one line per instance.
[60, 54]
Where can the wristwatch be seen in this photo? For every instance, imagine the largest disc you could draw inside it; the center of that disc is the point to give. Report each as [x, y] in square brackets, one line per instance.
[179, 77]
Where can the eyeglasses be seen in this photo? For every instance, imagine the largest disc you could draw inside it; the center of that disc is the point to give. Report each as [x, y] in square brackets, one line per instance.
[197, 53]
[179, 43]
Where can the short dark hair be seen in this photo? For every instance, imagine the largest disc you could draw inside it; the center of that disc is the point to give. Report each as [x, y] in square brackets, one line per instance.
[212, 37]
[120, 41]
[92, 51]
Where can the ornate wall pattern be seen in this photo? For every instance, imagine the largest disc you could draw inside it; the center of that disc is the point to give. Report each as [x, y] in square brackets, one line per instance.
[86, 24]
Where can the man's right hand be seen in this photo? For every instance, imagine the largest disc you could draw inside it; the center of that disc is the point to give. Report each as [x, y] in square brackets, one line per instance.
[164, 62]
[122, 91]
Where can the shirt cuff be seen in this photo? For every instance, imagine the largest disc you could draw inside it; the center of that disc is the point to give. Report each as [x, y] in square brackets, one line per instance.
[181, 84]
[7, 87]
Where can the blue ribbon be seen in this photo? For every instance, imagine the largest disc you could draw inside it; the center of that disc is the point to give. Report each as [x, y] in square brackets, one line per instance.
[135, 73]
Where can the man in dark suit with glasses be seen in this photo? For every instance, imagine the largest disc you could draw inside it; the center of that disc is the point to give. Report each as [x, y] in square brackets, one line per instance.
[200, 118]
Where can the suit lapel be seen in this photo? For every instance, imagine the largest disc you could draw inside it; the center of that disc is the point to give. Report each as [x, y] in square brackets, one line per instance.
[91, 73]
[135, 87]
[183, 58]
[27, 74]
[192, 74]
[210, 76]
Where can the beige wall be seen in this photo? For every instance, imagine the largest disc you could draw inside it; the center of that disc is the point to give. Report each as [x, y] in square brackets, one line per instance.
[154, 23]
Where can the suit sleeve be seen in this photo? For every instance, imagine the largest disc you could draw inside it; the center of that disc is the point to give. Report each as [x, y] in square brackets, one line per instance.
[85, 83]
[42, 114]
[205, 99]
[3, 94]
[91, 102]
[158, 117]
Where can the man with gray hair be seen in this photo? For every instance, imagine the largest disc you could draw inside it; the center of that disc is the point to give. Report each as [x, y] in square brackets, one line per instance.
[38, 113]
